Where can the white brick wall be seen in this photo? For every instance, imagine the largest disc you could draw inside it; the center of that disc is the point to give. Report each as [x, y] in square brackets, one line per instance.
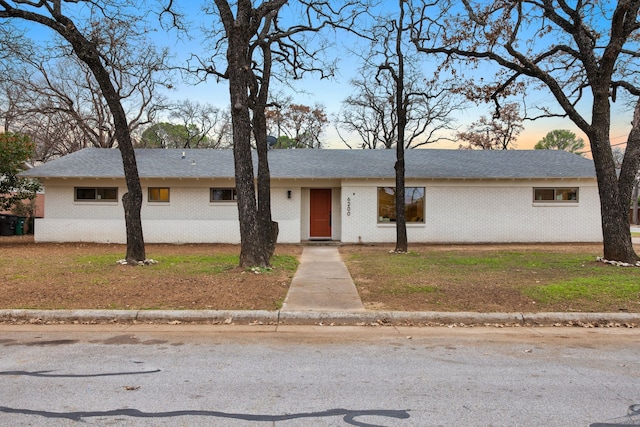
[456, 211]
[286, 212]
[188, 217]
[468, 211]
[59, 203]
[80, 230]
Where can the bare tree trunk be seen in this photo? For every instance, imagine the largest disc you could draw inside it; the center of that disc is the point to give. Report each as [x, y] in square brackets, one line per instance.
[253, 249]
[597, 59]
[615, 227]
[614, 191]
[88, 53]
[245, 187]
[267, 228]
[132, 200]
[631, 160]
[249, 93]
[133, 223]
[401, 220]
[634, 197]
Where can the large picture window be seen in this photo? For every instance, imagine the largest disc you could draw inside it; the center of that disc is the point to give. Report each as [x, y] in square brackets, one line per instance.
[551, 194]
[414, 204]
[223, 195]
[96, 194]
[158, 194]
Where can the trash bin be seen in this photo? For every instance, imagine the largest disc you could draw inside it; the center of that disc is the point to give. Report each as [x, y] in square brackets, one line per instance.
[20, 225]
[7, 225]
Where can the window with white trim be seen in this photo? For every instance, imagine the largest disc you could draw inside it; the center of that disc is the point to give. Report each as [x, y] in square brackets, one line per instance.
[414, 204]
[555, 194]
[96, 194]
[223, 194]
[159, 194]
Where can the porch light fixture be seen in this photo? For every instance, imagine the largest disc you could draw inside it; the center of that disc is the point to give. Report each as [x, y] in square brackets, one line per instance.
[288, 194]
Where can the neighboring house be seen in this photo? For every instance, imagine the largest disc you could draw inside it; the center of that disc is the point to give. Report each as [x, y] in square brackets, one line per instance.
[38, 210]
[453, 196]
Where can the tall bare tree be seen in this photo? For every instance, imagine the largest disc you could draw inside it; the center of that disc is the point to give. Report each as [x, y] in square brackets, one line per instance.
[204, 125]
[583, 53]
[297, 125]
[13, 46]
[99, 35]
[500, 132]
[396, 104]
[371, 113]
[59, 104]
[254, 40]
[394, 65]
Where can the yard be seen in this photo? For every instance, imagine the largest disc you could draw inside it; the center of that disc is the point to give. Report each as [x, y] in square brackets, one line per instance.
[87, 276]
[482, 278]
[493, 278]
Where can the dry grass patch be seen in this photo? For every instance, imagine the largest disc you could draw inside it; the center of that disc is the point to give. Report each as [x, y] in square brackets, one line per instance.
[492, 278]
[86, 276]
[482, 278]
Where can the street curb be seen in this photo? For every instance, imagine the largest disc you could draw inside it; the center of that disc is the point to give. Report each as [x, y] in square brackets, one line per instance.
[337, 318]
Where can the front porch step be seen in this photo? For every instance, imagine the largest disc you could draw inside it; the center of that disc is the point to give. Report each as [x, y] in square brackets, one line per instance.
[320, 243]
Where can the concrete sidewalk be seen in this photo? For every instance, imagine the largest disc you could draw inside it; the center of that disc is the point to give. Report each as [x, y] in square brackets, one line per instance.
[322, 283]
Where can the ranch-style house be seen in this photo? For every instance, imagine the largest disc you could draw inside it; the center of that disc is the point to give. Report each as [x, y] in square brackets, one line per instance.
[452, 196]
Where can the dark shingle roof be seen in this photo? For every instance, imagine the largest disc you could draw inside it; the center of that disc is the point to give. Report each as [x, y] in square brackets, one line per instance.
[429, 163]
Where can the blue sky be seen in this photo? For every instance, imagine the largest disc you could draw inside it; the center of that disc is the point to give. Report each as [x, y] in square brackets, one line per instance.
[331, 92]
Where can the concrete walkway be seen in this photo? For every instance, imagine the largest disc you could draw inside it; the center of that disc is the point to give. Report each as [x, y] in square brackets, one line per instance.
[322, 283]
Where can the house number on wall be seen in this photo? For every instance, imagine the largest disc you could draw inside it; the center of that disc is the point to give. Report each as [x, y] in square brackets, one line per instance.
[348, 206]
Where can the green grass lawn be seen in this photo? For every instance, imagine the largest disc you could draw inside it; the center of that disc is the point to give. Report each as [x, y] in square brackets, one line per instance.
[490, 280]
[186, 264]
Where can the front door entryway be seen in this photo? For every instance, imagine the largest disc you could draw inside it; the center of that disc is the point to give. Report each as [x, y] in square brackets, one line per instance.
[320, 213]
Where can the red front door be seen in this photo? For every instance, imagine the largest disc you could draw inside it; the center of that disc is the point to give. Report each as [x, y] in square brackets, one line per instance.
[320, 213]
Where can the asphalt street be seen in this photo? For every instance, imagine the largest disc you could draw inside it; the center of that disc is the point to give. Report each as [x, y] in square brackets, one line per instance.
[203, 375]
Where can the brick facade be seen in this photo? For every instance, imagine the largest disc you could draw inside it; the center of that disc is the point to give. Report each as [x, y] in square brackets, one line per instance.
[456, 211]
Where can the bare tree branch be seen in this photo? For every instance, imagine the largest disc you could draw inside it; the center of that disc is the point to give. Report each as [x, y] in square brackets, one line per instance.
[580, 48]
